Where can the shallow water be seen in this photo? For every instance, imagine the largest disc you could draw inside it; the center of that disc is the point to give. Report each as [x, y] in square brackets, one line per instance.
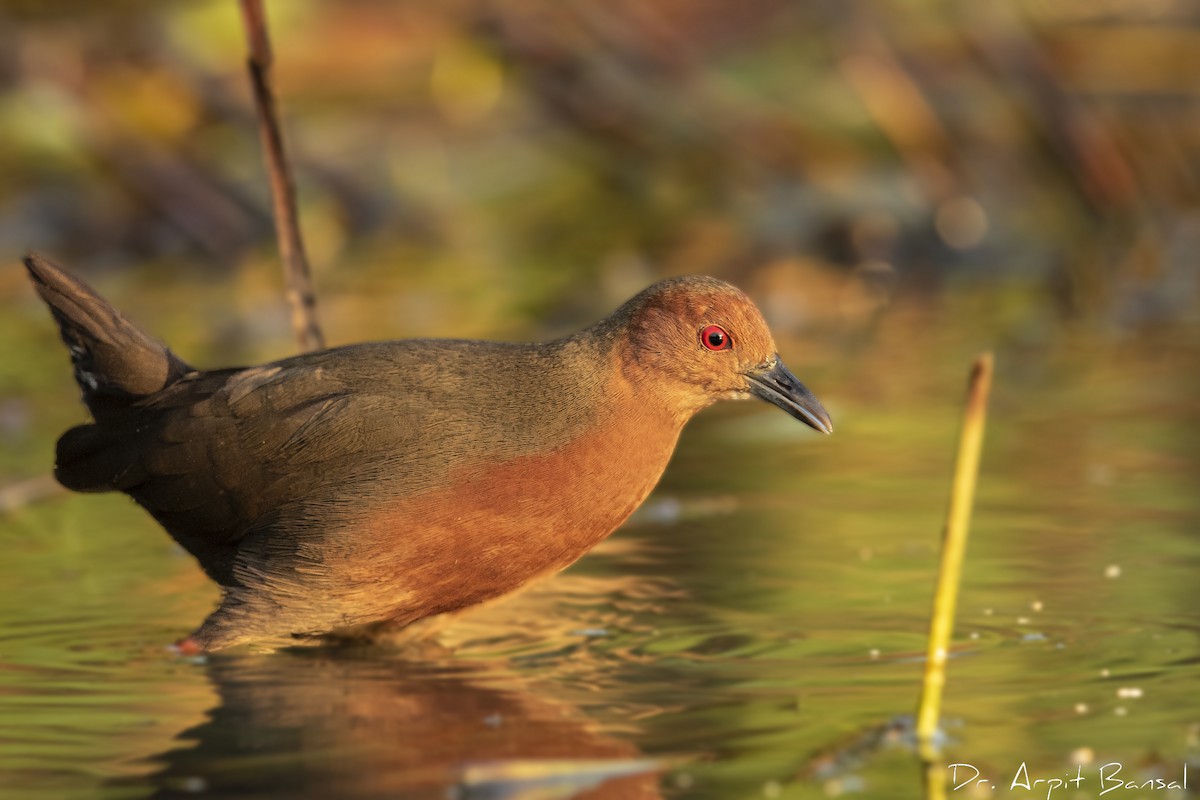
[757, 630]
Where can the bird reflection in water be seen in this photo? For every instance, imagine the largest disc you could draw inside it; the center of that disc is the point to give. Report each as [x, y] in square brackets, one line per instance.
[359, 723]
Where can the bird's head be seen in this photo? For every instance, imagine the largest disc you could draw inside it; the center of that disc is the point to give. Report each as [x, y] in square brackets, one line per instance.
[703, 340]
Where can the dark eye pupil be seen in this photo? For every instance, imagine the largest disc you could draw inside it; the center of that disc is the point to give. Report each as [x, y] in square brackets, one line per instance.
[716, 338]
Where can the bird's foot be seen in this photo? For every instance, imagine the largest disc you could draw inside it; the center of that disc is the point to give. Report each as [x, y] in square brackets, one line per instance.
[187, 646]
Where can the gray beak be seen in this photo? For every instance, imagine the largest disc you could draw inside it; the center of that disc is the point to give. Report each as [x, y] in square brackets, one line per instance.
[775, 384]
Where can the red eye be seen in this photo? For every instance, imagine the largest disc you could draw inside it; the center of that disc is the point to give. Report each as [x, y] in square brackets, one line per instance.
[714, 337]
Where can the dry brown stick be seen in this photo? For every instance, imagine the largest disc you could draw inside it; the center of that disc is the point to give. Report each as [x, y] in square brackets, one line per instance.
[301, 296]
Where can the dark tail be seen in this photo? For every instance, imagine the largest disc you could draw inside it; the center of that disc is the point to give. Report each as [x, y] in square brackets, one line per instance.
[116, 363]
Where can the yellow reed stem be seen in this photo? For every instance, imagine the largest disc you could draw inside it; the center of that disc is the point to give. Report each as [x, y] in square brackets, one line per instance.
[954, 547]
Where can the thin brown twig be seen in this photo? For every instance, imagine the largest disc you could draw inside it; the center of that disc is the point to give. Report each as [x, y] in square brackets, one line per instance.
[301, 296]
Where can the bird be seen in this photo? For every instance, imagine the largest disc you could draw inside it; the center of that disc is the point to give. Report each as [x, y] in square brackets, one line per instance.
[375, 485]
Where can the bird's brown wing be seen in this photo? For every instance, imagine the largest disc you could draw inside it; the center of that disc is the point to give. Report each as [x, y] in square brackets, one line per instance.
[282, 447]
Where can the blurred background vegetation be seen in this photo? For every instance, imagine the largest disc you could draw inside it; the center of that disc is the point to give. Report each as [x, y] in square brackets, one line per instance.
[488, 168]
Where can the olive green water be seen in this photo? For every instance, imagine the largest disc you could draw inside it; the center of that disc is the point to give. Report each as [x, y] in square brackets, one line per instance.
[757, 630]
